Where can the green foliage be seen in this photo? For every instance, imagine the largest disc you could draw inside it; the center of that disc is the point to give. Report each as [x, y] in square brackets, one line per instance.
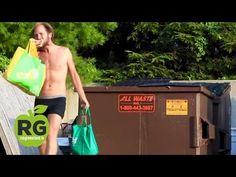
[12, 35]
[4, 61]
[86, 70]
[144, 33]
[83, 35]
[111, 76]
[180, 50]
[147, 65]
[227, 33]
[109, 52]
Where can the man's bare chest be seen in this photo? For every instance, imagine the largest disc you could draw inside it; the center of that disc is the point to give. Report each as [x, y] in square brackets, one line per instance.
[52, 60]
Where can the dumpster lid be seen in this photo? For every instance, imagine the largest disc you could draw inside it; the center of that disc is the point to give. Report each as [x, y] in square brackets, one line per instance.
[216, 89]
[142, 81]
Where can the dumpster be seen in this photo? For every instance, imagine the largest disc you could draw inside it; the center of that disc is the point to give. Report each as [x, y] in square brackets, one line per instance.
[160, 118]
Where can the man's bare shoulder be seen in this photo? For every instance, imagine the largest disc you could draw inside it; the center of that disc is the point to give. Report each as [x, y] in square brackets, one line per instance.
[63, 51]
[62, 48]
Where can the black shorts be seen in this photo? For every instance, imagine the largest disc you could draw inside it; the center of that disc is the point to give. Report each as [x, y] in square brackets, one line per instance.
[55, 105]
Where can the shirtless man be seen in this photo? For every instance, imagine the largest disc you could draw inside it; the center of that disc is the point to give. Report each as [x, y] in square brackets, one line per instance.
[59, 62]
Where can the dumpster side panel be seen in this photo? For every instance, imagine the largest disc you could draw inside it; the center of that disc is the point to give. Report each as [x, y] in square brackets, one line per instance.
[116, 133]
[169, 134]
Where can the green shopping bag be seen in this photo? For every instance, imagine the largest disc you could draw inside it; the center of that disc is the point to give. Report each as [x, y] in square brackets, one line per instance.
[26, 70]
[83, 138]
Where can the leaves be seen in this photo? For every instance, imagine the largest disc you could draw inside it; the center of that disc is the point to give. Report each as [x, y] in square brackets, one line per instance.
[109, 52]
[4, 62]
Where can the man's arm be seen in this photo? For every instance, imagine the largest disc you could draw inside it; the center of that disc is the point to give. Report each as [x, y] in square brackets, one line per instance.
[76, 79]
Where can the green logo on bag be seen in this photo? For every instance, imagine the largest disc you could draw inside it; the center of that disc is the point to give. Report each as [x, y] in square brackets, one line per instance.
[32, 130]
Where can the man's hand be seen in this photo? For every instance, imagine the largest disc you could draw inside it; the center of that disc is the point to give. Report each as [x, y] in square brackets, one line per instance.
[37, 42]
[85, 103]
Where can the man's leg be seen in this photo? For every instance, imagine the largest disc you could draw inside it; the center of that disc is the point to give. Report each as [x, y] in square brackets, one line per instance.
[54, 121]
[42, 148]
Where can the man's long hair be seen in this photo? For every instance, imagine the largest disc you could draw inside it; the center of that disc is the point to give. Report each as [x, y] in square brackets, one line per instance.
[47, 26]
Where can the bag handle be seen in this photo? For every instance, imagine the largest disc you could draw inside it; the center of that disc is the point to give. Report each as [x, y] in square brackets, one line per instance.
[85, 112]
[88, 112]
[31, 48]
[28, 46]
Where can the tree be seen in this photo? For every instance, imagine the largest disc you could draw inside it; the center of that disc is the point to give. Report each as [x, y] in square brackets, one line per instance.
[177, 50]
